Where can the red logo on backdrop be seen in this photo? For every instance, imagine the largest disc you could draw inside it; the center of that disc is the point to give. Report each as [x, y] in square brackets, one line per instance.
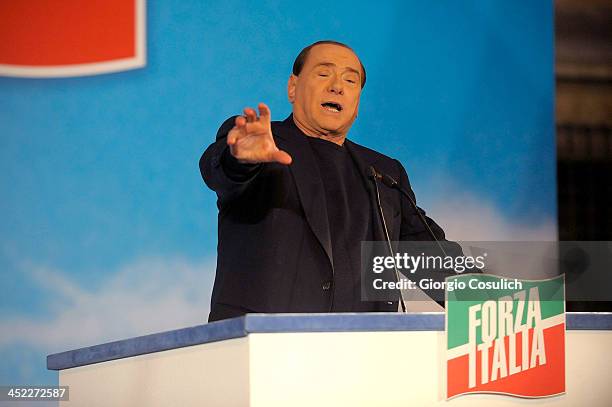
[58, 38]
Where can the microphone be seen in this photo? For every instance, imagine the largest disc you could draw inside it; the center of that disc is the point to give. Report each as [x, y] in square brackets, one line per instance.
[375, 175]
[392, 183]
[384, 178]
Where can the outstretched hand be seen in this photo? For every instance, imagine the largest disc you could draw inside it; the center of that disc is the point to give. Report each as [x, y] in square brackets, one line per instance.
[251, 141]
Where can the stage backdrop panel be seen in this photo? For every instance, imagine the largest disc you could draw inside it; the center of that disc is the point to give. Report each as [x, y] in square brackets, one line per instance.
[103, 208]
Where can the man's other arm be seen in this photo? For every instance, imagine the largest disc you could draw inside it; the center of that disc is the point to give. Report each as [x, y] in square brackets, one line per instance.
[412, 228]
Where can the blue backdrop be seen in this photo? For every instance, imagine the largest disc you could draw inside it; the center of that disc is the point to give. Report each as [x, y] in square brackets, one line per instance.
[107, 229]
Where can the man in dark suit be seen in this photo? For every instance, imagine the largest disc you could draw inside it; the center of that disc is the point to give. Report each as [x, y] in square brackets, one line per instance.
[295, 201]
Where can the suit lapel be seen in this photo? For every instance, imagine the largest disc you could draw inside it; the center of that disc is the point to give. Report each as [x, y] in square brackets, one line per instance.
[311, 191]
[307, 179]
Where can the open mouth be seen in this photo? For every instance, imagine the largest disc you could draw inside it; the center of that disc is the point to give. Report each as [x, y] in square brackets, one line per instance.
[332, 106]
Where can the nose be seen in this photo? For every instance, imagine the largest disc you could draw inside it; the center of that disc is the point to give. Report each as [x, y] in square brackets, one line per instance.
[336, 86]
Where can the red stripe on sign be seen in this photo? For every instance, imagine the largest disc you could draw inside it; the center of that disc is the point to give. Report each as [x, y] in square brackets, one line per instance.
[66, 32]
[540, 381]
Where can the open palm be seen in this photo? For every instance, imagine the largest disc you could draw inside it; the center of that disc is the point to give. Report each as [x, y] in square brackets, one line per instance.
[251, 141]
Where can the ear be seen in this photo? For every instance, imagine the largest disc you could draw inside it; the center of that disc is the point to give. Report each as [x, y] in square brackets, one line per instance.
[291, 84]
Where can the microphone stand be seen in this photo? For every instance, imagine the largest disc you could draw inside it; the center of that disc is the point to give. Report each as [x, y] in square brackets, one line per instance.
[372, 174]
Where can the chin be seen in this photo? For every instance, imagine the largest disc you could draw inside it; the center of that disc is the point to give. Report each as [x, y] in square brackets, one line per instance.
[333, 125]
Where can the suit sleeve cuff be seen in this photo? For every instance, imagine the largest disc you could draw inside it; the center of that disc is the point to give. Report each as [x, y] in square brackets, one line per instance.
[237, 171]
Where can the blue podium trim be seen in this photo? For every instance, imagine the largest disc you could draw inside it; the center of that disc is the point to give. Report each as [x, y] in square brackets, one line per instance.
[591, 321]
[276, 323]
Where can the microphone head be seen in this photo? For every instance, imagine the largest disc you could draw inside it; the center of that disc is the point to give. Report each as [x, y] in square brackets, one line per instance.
[388, 181]
[372, 173]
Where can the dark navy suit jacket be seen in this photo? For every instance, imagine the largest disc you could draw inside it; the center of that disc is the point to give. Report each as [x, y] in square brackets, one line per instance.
[274, 246]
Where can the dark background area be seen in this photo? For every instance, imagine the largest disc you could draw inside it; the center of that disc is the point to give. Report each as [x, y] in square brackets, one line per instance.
[583, 70]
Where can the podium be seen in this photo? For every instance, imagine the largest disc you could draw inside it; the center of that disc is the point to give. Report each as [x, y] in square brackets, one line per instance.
[369, 359]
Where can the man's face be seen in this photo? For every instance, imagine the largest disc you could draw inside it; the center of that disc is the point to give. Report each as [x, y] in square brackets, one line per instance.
[325, 96]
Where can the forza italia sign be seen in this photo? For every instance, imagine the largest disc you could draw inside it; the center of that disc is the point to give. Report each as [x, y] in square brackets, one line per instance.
[509, 340]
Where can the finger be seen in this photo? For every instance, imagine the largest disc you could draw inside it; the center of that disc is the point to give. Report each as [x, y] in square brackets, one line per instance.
[240, 121]
[239, 125]
[236, 133]
[232, 136]
[281, 157]
[250, 114]
[264, 111]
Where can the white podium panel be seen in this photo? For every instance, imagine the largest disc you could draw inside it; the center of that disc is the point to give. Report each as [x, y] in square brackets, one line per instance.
[310, 360]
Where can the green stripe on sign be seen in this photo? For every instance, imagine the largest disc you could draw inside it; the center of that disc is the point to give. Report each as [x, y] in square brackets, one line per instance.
[551, 294]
